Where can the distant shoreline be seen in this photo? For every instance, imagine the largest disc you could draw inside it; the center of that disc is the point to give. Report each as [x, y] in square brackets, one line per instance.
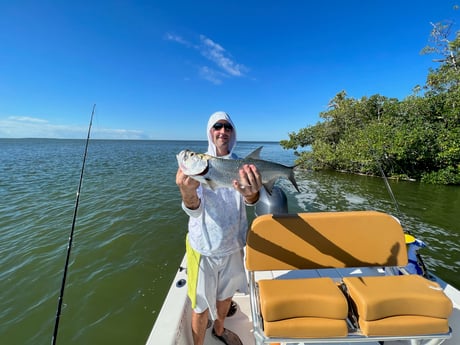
[164, 140]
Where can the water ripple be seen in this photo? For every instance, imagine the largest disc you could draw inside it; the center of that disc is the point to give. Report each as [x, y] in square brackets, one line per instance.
[129, 232]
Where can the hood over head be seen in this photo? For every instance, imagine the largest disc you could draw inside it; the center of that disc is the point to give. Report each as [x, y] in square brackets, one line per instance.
[217, 116]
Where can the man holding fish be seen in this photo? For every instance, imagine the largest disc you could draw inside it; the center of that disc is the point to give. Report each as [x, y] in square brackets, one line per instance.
[215, 188]
[217, 232]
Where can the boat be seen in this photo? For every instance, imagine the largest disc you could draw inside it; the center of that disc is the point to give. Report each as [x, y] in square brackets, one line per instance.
[172, 325]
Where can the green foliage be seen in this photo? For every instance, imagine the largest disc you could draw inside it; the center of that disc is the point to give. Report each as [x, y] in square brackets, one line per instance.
[449, 175]
[416, 138]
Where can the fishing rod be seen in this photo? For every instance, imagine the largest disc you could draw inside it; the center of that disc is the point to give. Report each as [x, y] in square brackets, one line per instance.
[390, 191]
[69, 245]
[419, 258]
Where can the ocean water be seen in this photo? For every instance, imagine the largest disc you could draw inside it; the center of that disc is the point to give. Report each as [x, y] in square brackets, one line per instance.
[129, 233]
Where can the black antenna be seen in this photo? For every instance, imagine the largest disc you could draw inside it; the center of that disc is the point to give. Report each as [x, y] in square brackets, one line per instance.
[69, 245]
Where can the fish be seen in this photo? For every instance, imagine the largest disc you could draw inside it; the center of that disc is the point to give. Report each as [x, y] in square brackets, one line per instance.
[215, 172]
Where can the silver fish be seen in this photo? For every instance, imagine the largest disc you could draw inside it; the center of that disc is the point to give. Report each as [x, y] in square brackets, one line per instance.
[217, 172]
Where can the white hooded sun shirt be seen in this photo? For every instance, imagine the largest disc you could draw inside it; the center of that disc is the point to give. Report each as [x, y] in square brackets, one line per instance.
[219, 226]
[216, 117]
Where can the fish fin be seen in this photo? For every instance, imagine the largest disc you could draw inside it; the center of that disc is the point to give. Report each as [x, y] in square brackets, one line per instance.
[211, 184]
[255, 154]
[207, 182]
[269, 186]
[199, 178]
[293, 181]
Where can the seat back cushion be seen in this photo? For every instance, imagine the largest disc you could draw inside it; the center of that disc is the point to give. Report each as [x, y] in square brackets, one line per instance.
[325, 239]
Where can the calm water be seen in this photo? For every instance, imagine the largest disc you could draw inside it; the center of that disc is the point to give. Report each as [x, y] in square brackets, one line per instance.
[129, 234]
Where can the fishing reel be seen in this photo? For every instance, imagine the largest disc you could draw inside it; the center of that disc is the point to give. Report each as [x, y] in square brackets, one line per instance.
[416, 264]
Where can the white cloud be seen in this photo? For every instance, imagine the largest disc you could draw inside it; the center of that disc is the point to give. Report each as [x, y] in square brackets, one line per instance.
[211, 75]
[26, 119]
[29, 127]
[108, 133]
[175, 38]
[214, 52]
[217, 54]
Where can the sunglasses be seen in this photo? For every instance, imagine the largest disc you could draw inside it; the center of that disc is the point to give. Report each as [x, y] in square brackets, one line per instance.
[218, 126]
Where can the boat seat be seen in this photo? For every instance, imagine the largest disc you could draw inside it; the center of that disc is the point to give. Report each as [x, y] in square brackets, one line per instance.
[351, 309]
[303, 308]
[399, 305]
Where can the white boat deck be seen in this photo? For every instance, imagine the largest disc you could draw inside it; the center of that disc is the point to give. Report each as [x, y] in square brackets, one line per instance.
[174, 320]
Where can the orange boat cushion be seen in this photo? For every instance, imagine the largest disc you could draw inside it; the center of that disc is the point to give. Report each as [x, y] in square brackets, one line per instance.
[404, 326]
[380, 297]
[298, 298]
[306, 327]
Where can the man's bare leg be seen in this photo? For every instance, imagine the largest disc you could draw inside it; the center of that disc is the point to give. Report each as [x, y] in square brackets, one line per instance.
[199, 325]
[222, 310]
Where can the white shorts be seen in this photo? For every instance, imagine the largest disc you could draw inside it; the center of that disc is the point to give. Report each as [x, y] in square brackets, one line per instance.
[218, 279]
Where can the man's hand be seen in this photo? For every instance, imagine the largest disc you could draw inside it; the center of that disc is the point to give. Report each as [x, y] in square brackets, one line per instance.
[187, 187]
[249, 184]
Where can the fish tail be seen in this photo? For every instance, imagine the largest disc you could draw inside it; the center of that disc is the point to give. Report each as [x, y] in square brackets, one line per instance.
[293, 181]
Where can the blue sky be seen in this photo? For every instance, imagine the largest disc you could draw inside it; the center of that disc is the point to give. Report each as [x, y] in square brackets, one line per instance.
[158, 69]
